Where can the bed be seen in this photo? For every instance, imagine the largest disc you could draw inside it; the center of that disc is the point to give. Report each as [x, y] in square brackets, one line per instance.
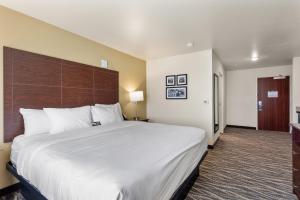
[124, 160]
[127, 160]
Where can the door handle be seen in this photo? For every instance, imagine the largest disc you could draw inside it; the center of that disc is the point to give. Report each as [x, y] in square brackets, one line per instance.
[260, 106]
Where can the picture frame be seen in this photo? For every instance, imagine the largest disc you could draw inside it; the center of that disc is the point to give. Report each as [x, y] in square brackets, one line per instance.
[182, 79]
[176, 92]
[170, 80]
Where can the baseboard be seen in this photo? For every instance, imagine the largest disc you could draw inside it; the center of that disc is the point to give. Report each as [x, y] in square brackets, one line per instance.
[10, 189]
[244, 127]
[212, 146]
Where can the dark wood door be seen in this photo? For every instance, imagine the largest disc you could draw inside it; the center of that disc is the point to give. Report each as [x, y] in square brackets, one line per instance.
[273, 103]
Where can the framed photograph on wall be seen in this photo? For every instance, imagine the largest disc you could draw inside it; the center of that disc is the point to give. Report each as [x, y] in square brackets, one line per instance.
[182, 79]
[176, 92]
[170, 80]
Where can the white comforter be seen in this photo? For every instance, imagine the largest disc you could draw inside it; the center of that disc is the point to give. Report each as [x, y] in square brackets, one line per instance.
[127, 160]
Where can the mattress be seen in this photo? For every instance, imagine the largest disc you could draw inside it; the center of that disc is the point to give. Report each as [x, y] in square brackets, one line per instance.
[126, 160]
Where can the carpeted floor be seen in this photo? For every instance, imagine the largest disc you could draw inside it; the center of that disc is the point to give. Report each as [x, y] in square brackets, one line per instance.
[245, 164]
[13, 196]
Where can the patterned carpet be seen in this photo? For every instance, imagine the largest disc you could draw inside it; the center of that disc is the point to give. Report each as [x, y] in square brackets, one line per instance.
[247, 164]
[13, 196]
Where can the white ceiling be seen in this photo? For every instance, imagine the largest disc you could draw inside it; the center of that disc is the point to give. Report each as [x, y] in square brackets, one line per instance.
[151, 29]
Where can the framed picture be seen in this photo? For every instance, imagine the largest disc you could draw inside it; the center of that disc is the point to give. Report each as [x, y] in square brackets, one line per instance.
[182, 79]
[176, 92]
[170, 80]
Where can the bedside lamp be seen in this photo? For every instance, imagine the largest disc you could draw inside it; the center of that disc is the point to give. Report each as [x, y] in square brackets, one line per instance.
[135, 97]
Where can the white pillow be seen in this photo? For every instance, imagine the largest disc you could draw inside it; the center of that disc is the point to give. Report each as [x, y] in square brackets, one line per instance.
[106, 115]
[64, 119]
[35, 121]
[116, 106]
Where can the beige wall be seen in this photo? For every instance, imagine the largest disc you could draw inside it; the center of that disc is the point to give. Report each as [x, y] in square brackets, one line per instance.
[241, 93]
[197, 109]
[296, 87]
[23, 32]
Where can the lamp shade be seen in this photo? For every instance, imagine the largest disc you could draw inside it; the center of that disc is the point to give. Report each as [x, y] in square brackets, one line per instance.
[136, 96]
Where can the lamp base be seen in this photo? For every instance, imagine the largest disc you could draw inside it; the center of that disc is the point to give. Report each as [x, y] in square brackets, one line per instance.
[136, 118]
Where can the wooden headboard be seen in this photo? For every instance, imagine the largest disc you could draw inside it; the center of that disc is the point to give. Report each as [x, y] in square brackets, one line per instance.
[37, 81]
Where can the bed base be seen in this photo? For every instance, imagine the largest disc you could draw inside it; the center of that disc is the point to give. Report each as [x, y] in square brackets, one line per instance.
[185, 187]
[27, 190]
[30, 192]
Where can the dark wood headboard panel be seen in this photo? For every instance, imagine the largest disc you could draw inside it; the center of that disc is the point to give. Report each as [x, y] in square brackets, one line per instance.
[37, 81]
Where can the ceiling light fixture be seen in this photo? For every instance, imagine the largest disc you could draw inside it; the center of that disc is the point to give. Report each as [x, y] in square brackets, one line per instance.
[254, 57]
[189, 44]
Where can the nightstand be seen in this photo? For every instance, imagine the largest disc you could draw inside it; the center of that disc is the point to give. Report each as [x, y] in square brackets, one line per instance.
[140, 119]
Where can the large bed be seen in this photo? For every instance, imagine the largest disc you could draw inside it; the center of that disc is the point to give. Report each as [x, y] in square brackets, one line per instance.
[123, 160]
[126, 160]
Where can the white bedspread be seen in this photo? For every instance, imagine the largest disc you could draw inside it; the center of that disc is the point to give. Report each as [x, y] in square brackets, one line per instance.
[127, 160]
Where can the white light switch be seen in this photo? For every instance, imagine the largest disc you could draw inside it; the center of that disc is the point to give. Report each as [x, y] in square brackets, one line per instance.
[104, 63]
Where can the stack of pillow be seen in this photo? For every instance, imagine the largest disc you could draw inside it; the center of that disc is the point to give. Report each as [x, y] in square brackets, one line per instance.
[58, 120]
